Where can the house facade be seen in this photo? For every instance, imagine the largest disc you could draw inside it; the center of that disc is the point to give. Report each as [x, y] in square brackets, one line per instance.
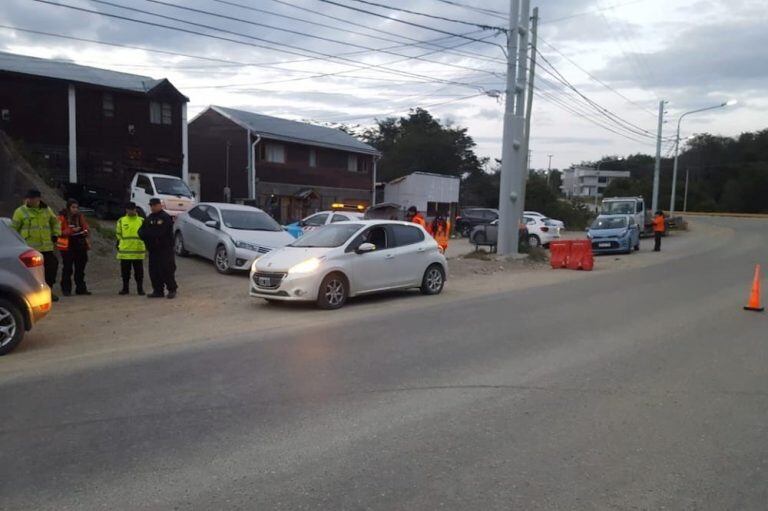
[88, 125]
[290, 169]
[584, 182]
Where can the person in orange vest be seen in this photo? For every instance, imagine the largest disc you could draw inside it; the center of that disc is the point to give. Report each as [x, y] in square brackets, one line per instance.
[659, 226]
[73, 245]
[440, 229]
[414, 216]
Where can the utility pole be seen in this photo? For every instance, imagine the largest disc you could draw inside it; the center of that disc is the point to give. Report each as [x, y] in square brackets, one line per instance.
[685, 197]
[549, 165]
[657, 167]
[528, 99]
[512, 159]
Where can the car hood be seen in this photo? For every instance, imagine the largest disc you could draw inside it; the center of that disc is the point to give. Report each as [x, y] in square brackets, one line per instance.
[287, 257]
[268, 239]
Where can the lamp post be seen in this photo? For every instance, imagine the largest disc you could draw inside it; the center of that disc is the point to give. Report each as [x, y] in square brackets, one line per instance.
[597, 183]
[677, 146]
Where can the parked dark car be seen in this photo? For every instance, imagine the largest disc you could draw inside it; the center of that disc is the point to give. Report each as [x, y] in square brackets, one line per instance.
[468, 218]
[487, 235]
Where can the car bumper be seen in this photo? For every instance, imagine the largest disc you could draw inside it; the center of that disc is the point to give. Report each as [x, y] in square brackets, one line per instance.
[243, 258]
[292, 288]
[38, 304]
[614, 245]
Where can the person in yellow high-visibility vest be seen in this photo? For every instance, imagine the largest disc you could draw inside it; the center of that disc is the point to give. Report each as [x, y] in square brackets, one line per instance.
[130, 248]
[40, 228]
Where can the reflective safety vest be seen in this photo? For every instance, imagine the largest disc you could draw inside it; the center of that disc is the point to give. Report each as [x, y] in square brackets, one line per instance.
[36, 226]
[129, 245]
[659, 224]
[442, 235]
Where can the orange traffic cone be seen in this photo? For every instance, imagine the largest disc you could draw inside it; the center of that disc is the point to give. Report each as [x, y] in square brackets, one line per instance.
[754, 297]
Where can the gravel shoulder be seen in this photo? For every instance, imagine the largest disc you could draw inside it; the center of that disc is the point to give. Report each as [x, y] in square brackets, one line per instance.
[214, 308]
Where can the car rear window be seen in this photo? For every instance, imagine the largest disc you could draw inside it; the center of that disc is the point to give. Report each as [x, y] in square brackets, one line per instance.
[407, 235]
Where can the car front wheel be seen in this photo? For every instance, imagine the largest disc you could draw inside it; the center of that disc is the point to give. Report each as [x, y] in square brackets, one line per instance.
[465, 230]
[221, 260]
[333, 292]
[534, 241]
[433, 281]
[11, 326]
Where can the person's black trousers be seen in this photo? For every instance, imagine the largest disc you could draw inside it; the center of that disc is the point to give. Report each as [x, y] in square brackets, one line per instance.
[74, 262]
[657, 241]
[138, 272]
[162, 271]
[50, 267]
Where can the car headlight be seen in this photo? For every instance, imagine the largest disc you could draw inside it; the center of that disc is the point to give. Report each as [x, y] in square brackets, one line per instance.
[307, 266]
[245, 245]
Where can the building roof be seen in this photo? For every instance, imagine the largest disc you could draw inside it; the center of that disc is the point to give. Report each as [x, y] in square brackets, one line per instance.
[67, 71]
[292, 131]
[420, 173]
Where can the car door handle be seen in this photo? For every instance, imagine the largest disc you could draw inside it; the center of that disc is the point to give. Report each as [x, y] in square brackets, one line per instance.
[390, 256]
[422, 249]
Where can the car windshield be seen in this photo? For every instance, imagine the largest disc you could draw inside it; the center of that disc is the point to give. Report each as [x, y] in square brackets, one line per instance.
[618, 208]
[249, 220]
[333, 235]
[172, 186]
[609, 223]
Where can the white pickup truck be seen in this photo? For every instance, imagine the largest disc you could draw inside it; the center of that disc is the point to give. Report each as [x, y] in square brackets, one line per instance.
[634, 206]
[171, 190]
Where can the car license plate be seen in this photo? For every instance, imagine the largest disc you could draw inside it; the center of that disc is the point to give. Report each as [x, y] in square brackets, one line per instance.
[264, 282]
[604, 245]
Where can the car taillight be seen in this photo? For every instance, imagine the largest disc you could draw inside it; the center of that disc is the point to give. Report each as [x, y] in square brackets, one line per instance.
[545, 229]
[31, 258]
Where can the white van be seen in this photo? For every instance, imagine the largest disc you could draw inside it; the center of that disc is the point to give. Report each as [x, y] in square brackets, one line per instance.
[171, 190]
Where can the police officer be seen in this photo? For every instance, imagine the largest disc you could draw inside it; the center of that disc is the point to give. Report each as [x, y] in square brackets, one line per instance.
[157, 234]
[40, 228]
[130, 249]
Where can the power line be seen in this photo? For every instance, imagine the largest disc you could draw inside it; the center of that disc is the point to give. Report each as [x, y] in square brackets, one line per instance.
[433, 16]
[292, 51]
[588, 13]
[281, 29]
[418, 25]
[353, 23]
[393, 112]
[497, 14]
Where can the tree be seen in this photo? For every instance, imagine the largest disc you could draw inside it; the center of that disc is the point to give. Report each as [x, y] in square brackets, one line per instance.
[419, 141]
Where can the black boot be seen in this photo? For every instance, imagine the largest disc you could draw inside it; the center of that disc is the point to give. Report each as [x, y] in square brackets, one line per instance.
[124, 291]
[140, 289]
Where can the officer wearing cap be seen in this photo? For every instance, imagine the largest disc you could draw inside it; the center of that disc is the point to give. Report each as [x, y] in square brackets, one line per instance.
[157, 235]
[40, 228]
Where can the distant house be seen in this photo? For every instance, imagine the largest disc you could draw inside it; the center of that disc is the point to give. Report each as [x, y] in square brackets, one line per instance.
[92, 125]
[288, 168]
[430, 193]
[585, 182]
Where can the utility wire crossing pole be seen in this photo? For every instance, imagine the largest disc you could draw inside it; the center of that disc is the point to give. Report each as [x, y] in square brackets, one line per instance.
[513, 150]
[657, 166]
[529, 104]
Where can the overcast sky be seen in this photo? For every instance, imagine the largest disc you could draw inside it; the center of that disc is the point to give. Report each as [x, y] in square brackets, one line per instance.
[623, 55]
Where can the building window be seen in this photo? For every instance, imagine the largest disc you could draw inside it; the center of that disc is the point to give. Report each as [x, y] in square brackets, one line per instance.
[160, 113]
[5, 114]
[602, 179]
[108, 105]
[274, 153]
[107, 166]
[312, 158]
[352, 163]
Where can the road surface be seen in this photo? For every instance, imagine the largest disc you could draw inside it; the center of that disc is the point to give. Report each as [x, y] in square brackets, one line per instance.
[643, 389]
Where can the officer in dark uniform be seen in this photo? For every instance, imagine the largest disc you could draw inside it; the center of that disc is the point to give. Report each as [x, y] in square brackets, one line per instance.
[157, 235]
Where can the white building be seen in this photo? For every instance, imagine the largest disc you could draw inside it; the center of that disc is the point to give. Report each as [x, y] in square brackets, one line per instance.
[585, 182]
[430, 193]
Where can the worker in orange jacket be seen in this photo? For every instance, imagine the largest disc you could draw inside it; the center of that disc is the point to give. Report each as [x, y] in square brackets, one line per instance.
[73, 245]
[440, 229]
[659, 226]
[414, 216]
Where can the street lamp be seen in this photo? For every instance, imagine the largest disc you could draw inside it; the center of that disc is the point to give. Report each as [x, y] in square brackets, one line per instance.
[730, 102]
[597, 184]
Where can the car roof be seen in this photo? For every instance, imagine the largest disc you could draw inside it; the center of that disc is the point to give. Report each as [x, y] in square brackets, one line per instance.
[378, 222]
[617, 215]
[227, 205]
[153, 174]
[342, 211]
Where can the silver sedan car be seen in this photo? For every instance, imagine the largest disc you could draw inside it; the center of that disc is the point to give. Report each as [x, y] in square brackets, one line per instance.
[347, 259]
[230, 235]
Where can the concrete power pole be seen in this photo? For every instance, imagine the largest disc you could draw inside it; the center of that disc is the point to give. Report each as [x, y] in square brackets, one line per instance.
[529, 103]
[512, 154]
[657, 166]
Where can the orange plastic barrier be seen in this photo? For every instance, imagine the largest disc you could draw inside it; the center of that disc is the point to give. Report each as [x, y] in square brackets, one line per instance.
[581, 257]
[559, 253]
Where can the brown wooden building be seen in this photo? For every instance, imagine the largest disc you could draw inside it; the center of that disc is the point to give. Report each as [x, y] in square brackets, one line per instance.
[91, 125]
[287, 168]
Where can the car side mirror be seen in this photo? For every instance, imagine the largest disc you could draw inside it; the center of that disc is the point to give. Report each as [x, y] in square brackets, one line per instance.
[365, 248]
[194, 194]
[301, 223]
[213, 224]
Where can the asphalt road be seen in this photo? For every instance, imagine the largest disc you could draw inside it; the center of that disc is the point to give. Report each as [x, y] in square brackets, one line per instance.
[646, 389]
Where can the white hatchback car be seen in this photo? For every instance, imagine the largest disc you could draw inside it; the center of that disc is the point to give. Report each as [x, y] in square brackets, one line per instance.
[541, 232]
[536, 214]
[348, 259]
